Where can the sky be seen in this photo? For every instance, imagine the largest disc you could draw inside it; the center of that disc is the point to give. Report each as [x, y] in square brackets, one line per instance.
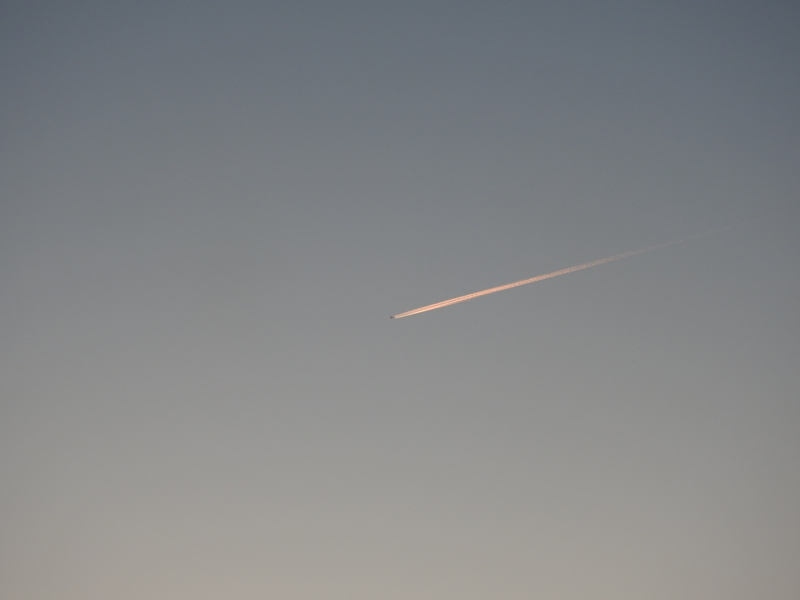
[209, 211]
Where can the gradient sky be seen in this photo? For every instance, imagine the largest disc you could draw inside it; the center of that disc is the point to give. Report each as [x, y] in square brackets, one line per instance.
[209, 210]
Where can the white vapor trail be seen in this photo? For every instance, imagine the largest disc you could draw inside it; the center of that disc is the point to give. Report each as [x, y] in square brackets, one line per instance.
[594, 263]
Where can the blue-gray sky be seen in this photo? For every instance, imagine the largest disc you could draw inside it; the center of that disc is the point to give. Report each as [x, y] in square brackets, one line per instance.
[209, 210]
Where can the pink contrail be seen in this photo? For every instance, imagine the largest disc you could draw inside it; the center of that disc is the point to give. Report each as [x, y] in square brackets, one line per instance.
[594, 263]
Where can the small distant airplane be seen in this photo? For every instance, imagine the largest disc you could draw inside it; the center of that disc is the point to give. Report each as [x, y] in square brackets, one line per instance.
[594, 263]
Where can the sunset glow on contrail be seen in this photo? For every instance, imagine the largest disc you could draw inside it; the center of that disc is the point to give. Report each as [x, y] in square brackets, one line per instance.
[594, 263]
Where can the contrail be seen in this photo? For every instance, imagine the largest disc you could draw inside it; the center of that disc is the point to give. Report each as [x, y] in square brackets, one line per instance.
[594, 263]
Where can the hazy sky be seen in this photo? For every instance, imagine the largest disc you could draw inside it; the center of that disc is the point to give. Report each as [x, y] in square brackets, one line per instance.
[209, 210]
